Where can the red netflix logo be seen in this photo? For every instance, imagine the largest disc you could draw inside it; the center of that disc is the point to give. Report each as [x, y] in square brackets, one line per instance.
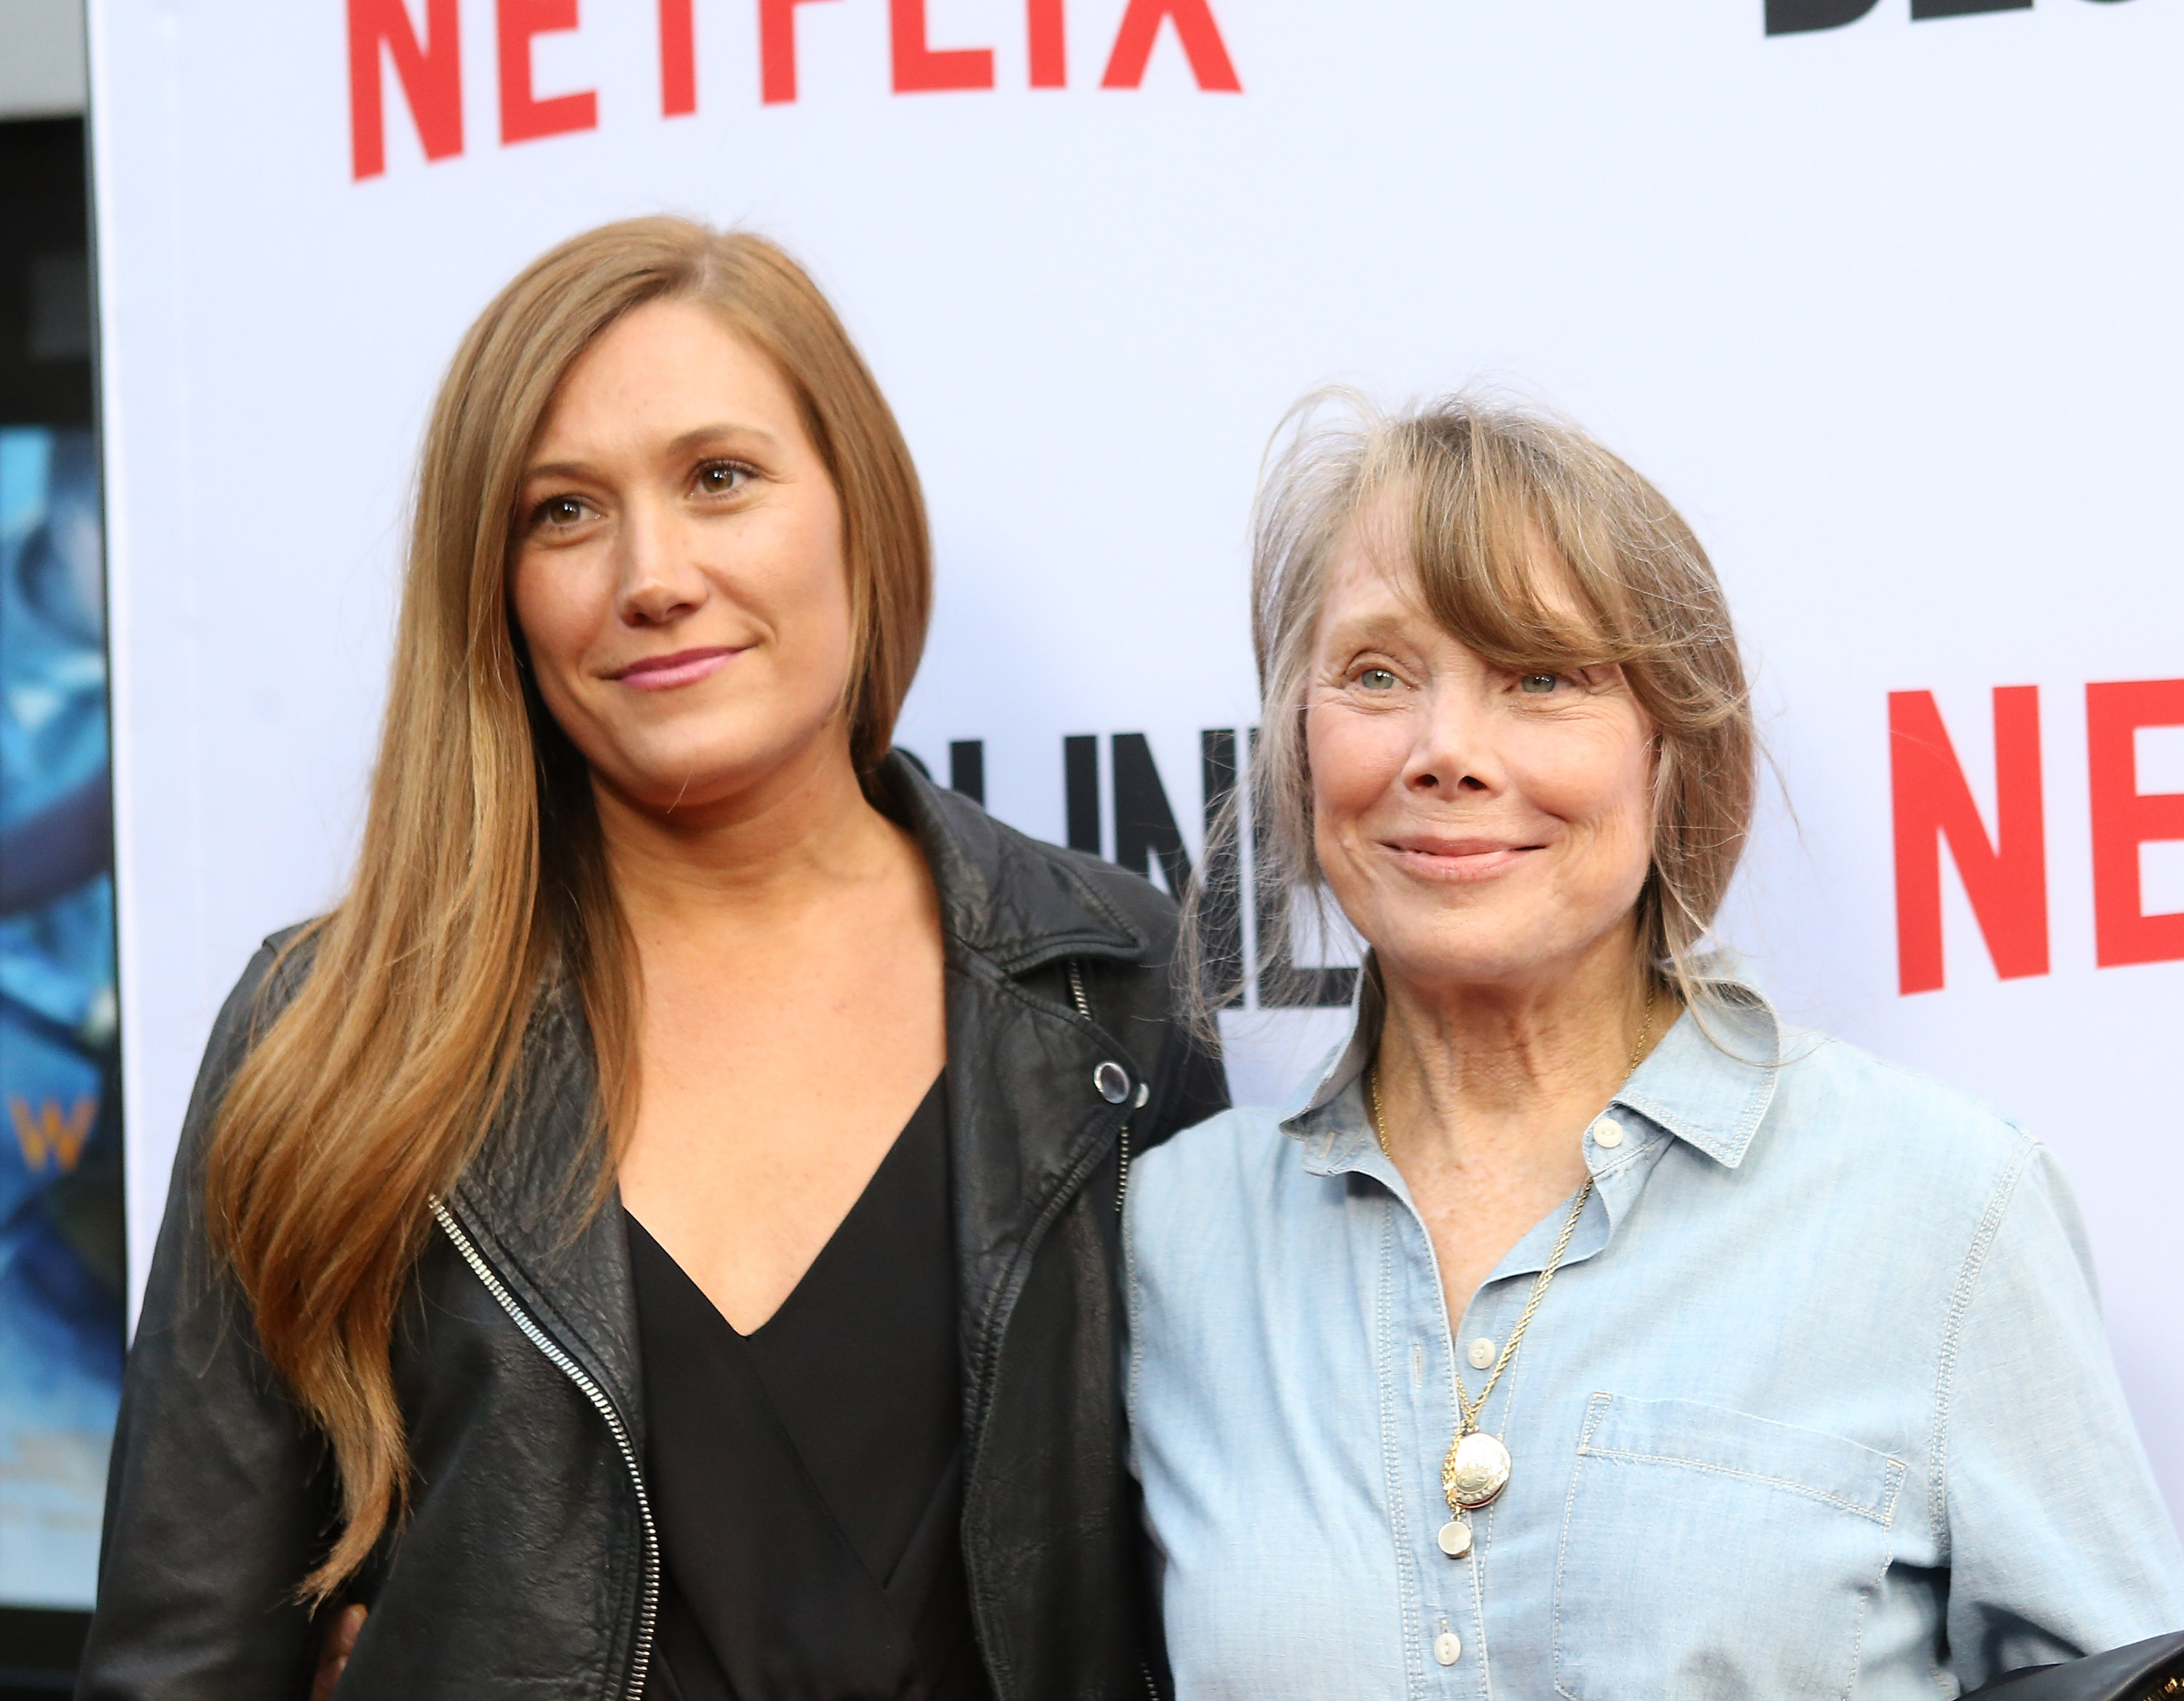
[428, 66]
[2005, 876]
[431, 72]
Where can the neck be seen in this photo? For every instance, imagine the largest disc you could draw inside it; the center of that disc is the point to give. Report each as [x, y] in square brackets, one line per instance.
[1510, 1075]
[769, 850]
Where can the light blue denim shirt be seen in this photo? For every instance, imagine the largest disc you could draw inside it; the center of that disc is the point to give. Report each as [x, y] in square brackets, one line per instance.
[1819, 1405]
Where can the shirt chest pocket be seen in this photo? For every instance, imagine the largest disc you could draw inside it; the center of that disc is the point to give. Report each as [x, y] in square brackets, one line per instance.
[1708, 1554]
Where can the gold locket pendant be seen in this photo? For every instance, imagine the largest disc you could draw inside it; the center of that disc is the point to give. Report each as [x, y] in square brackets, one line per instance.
[1478, 1469]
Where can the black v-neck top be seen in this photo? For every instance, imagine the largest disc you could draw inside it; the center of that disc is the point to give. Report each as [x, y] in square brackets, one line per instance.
[807, 1478]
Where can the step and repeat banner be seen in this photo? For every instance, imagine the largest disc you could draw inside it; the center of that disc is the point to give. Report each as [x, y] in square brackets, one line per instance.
[1879, 291]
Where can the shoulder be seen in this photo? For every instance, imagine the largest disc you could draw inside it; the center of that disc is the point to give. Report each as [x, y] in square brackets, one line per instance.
[1938, 1143]
[1016, 898]
[268, 985]
[1113, 891]
[271, 980]
[1225, 1222]
[1907, 1145]
[1143, 905]
[1888, 1114]
[1203, 1172]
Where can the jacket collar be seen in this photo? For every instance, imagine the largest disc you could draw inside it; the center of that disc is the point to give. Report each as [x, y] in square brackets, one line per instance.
[1708, 1083]
[998, 898]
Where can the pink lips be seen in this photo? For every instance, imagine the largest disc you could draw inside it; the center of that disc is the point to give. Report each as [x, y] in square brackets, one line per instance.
[1457, 859]
[684, 667]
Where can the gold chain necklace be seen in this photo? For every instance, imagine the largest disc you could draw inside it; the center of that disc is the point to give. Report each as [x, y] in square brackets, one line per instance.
[1477, 1467]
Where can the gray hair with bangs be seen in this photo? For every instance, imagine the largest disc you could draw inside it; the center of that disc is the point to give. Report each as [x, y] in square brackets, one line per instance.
[1482, 485]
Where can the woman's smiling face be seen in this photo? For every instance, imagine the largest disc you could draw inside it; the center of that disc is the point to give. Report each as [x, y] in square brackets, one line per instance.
[1478, 825]
[679, 574]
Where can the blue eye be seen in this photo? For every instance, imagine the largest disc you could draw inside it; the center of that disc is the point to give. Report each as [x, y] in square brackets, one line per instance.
[1538, 682]
[1377, 679]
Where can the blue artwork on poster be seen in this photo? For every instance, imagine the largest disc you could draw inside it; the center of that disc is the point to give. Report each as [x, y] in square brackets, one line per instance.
[61, 1233]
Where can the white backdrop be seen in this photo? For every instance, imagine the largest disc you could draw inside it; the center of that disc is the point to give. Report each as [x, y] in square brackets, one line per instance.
[1888, 308]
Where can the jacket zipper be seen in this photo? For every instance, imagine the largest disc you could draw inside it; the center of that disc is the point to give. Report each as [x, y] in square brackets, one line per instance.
[1084, 1009]
[649, 1605]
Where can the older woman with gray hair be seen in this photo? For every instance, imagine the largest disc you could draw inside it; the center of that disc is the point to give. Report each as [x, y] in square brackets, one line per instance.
[1582, 1330]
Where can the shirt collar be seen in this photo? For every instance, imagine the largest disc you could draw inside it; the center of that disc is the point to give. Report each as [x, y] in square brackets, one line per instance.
[1711, 1079]
[1708, 1083]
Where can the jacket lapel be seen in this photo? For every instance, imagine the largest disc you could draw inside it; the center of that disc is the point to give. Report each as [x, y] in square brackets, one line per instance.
[526, 1201]
[1027, 1122]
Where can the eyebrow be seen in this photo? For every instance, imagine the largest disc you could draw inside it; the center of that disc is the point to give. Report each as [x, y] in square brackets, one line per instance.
[691, 439]
[705, 434]
[1366, 628]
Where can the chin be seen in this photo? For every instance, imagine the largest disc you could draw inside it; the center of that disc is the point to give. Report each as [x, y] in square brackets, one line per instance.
[1472, 949]
[667, 780]
[1473, 966]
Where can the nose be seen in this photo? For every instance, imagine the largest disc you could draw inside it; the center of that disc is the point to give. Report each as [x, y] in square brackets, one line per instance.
[658, 581]
[1453, 755]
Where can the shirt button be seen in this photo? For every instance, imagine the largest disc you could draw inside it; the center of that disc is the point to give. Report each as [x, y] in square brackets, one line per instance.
[1448, 1648]
[1481, 1353]
[1608, 1133]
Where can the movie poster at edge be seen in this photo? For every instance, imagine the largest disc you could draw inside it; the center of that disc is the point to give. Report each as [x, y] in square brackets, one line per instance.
[61, 1261]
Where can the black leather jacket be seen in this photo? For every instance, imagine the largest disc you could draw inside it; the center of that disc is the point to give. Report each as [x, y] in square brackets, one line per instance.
[528, 1566]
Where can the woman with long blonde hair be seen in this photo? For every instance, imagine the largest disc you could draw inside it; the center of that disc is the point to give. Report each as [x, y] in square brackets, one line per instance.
[655, 1237]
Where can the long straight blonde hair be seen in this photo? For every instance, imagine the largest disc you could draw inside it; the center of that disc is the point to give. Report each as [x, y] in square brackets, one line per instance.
[481, 875]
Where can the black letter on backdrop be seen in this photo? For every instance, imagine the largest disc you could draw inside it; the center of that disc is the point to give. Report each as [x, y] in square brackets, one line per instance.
[1145, 825]
[1221, 921]
[1080, 791]
[1961, 9]
[1282, 984]
[1788, 17]
[967, 768]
